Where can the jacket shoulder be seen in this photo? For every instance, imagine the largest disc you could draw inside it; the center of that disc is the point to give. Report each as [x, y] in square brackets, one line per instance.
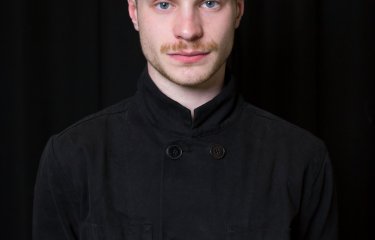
[95, 122]
[278, 126]
[73, 148]
[298, 146]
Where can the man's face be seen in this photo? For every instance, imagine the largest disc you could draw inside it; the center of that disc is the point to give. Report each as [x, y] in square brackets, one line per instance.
[186, 41]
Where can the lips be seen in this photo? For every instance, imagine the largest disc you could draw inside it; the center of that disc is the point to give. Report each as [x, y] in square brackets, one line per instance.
[188, 57]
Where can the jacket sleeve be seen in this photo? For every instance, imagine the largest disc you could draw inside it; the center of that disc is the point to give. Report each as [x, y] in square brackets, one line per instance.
[318, 213]
[55, 200]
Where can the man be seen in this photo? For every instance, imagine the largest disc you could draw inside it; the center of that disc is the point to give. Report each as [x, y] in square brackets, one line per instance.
[185, 158]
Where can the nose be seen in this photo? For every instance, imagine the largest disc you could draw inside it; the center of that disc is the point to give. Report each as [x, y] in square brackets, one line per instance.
[188, 26]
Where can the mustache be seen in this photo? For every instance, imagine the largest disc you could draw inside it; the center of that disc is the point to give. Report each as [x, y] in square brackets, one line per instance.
[195, 46]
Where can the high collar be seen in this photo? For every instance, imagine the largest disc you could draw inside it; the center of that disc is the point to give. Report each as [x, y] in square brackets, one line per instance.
[167, 114]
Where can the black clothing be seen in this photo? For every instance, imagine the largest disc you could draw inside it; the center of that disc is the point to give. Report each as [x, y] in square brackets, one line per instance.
[143, 169]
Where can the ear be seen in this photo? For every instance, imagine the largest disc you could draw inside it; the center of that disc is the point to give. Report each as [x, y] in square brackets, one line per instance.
[132, 8]
[240, 5]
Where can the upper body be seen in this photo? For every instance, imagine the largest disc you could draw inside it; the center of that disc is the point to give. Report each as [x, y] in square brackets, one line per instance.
[185, 157]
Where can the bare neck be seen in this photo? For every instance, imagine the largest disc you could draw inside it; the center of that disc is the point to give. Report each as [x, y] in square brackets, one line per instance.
[189, 97]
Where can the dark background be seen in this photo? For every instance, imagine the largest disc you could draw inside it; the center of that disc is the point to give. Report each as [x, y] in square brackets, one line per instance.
[309, 61]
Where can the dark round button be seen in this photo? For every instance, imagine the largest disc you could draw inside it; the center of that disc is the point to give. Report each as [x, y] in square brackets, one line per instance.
[174, 152]
[217, 151]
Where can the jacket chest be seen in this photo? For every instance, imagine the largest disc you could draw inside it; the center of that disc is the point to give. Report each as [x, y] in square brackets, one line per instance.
[202, 188]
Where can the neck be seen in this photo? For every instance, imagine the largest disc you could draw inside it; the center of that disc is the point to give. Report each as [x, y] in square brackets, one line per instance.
[190, 97]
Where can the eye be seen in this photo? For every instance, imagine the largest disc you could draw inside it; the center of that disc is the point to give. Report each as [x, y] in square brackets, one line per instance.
[210, 4]
[163, 5]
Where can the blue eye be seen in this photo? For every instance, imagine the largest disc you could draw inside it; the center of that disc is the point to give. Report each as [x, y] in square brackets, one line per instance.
[210, 4]
[163, 5]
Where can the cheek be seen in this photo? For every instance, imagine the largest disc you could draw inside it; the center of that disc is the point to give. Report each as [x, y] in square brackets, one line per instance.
[220, 29]
[148, 37]
[155, 36]
[224, 37]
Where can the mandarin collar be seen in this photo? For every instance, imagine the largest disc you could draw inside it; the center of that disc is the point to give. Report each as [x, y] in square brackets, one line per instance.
[167, 114]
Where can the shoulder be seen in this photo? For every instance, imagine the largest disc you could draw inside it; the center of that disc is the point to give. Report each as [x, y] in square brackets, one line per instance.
[269, 123]
[282, 137]
[95, 125]
[95, 122]
[70, 155]
[89, 135]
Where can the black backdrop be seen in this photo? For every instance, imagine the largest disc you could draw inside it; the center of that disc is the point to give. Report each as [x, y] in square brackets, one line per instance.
[309, 61]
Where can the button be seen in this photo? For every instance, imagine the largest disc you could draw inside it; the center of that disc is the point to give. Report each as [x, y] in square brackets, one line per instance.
[174, 152]
[217, 151]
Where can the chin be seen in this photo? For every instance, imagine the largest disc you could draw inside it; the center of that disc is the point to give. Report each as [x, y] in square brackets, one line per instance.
[192, 76]
[191, 83]
[189, 78]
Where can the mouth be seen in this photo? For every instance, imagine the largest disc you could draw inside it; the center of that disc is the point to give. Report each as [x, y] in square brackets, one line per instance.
[188, 57]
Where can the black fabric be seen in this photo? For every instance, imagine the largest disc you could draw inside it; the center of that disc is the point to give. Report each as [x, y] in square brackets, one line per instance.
[113, 173]
[311, 62]
[207, 117]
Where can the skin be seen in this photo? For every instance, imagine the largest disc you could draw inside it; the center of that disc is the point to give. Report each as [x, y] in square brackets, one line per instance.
[186, 44]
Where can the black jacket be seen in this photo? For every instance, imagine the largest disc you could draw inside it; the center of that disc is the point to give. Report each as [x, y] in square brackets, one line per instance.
[144, 170]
